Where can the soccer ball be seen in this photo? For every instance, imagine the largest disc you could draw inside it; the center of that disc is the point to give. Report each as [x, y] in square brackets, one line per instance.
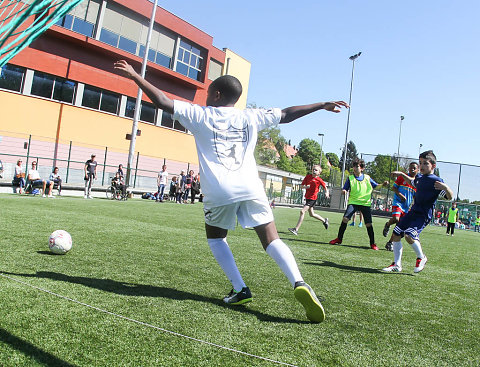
[60, 242]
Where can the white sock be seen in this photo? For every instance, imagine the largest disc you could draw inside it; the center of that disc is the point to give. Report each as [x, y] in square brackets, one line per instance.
[418, 249]
[397, 253]
[282, 255]
[222, 253]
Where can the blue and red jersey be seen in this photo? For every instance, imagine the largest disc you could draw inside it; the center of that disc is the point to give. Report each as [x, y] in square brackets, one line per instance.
[405, 188]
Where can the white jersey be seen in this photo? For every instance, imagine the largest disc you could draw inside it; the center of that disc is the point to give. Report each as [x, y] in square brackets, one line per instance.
[225, 138]
[162, 177]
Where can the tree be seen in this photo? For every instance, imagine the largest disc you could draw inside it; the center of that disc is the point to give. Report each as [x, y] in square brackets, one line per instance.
[351, 155]
[283, 162]
[298, 166]
[310, 151]
[266, 148]
[333, 159]
[379, 169]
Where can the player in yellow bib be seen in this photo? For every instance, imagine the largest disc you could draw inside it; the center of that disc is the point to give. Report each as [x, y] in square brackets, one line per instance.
[360, 186]
[452, 219]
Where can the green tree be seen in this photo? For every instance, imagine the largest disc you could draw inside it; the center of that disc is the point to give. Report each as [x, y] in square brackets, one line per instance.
[298, 166]
[283, 162]
[310, 151]
[351, 155]
[266, 148]
[333, 159]
[379, 169]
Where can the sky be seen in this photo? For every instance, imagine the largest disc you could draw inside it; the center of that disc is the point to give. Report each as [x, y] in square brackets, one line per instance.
[419, 60]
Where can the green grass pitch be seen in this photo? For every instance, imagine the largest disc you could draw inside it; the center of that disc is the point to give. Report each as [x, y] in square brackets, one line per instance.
[150, 262]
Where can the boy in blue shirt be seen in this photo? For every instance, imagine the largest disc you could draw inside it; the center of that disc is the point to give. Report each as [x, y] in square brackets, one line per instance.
[429, 187]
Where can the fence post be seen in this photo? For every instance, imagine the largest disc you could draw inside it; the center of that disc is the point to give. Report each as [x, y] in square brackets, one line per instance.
[104, 165]
[28, 152]
[459, 179]
[68, 161]
[136, 169]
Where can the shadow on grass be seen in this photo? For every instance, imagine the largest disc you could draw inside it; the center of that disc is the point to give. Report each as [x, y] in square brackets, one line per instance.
[360, 269]
[324, 243]
[144, 290]
[31, 350]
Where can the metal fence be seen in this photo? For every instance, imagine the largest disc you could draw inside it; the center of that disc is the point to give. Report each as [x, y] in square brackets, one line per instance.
[70, 158]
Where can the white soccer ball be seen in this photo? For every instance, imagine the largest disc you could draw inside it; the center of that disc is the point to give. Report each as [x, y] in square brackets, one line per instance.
[60, 242]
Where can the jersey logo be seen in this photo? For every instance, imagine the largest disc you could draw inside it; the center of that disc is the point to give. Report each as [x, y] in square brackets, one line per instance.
[230, 145]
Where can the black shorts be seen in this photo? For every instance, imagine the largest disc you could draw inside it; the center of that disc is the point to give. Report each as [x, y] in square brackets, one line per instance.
[365, 210]
[310, 202]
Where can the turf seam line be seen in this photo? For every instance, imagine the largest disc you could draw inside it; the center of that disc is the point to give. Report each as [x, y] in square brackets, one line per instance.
[148, 325]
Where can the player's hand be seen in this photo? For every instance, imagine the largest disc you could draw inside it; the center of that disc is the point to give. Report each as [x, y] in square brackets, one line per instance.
[335, 106]
[344, 192]
[396, 173]
[124, 68]
[385, 183]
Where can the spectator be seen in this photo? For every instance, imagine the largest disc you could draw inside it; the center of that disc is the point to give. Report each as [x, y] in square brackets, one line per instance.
[118, 182]
[19, 178]
[90, 175]
[477, 224]
[182, 181]
[195, 187]
[120, 171]
[36, 181]
[162, 182]
[57, 180]
[452, 219]
[172, 193]
[188, 185]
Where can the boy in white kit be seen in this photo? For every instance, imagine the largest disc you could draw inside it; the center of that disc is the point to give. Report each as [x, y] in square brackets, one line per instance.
[225, 138]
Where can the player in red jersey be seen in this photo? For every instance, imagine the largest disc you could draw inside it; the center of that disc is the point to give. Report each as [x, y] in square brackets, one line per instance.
[312, 183]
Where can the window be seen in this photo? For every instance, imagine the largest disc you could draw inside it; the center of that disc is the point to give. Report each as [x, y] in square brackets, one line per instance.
[189, 61]
[99, 99]
[83, 27]
[81, 18]
[127, 45]
[215, 69]
[167, 121]
[53, 87]
[148, 112]
[11, 77]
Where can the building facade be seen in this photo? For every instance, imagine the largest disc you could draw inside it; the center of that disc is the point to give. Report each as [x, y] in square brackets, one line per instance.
[62, 89]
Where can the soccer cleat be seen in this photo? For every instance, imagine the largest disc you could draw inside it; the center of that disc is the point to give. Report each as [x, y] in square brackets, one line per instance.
[360, 225]
[294, 231]
[420, 264]
[325, 224]
[389, 246]
[386, 229]
[336, 241]
[44, 196]
[352, 224]
[51, 196]
[85, 197]
[393, 268]
[374, 247]
[238, 298]
[306, 296]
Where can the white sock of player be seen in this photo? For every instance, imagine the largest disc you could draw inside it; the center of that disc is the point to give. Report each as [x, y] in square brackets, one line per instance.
[418, 249]
[279, 251]
[222, 253]
[397, 253]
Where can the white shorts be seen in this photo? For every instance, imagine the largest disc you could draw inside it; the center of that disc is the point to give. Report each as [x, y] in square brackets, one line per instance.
[250, 213]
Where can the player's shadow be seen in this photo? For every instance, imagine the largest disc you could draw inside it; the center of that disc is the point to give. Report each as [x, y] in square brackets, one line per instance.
[30, 350]
[145, 290]
[359, 269]
[324, 243]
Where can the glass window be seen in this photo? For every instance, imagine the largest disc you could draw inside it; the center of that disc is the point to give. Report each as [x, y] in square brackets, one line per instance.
[91, 97]
[110, 102]
[196, 51]
[215, 70]
[65, 22]
[42, 85]
[151, 53]
[109, 37]
[182, 68]
[130, 108]
[167, 120]
[186, 57]
[193, 61]
[64, 90]
[193, 73]
[163, 60]
[180, 53]
[11, 77]
[83, 27]
[178, 126]
[127, 45]
[147, 112]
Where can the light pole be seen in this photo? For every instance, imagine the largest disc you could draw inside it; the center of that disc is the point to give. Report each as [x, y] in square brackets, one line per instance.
[321, 149]
[353, 58]
[399, 136]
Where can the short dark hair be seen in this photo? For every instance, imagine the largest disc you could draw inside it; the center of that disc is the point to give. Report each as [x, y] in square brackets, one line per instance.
[229, 87]
[358, 161]
[413, 162]
[429, 156]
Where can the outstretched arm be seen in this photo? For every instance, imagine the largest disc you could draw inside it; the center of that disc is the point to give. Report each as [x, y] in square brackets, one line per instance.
[403, 174]
[292, 113]
[443, 186]
[158, 98]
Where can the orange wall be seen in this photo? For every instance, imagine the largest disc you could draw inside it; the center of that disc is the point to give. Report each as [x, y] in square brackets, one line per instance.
[23, 114]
